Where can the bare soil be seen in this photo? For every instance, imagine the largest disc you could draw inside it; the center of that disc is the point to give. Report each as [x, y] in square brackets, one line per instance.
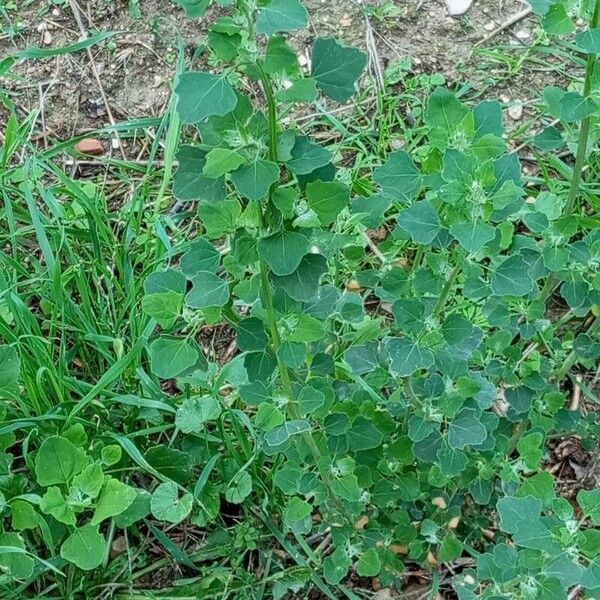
[135, 67]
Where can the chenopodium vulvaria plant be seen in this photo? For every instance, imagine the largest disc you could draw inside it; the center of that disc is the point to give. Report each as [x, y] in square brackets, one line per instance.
[405, 395]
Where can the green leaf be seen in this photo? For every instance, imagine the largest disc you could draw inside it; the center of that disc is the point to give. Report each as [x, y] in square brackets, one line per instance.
[297, 512]
[194, 8]
[17, 564]
[114, 499]
[279, 57]
[283, 251]
[399, 177]
[54, 503]
[164, 308]
[472, 236]
[589, 501]
[302, 90]
[589, 41]
[239, 488]
[171, 356]
[167, 505]
[203, 95]
[309, 400]
[10, 366]
[220, 161]
[407, 357]
[194, 412]
[466, 430]
[327, 199]
[255, 179]
[280, 435]
[85, 548]
[363, 435]
[450, 548]
[23, 515]
[202, 256]
[421, 222]
[189, 183]
[207, 290]
[251, 335]
[220, 218]
[347, 488]
[306, 156]
[369, 563]
[574, 107]
[556, 21]
[281, 15]
[515, 512]
[303, 283]
[336, 68]
[58, 461]
[512, 277]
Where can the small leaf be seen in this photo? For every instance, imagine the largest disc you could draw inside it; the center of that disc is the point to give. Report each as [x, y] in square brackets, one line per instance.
[281, 434]
[281, 15]
[589, 41]
[466, 430]
[114, 499]
[203, 95]
[251, 335]
[202, 256]
[283, 251]
[164, 308]
[421, 222]
[574, 107]
[10, 366]
[220, 161]
[239, 488]
[472, 236]
[167, 505]
[194, 412]
[279, 57]
[556, 21]
[369, 563]
[589, 500]
[399, 177]
[336, 68]
[327, 199]
[512, 277]
[85, 548]
[514, 512]
[255, 179]
[171, 356]
[407, 356]
[207, 290]
[306, 156]
[58, 461]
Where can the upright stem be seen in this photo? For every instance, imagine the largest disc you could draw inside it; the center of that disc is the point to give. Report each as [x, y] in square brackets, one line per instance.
[267, 299]
[582, 144]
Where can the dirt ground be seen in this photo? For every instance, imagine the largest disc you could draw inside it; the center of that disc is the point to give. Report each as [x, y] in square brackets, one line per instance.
[135, 66]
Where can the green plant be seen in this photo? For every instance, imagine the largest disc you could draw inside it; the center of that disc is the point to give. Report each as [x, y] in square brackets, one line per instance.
[390, 399]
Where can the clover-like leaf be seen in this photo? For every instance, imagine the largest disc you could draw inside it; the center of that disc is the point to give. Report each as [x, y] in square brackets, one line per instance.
[168, 505]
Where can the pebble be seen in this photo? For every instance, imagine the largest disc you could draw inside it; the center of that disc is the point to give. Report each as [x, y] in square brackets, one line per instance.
[46, 38]
[522, 34]
[90, 146]
[489, 26]
[515, 112]
[458, 7]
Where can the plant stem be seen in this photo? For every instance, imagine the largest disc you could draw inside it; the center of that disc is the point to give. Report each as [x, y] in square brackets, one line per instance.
[446, 291]
[267, 299]
[572, 357]
[582, 145]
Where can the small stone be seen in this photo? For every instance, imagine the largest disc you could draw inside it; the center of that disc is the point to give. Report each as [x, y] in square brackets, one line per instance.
[90, 146]
[456, 8]
[346, 20]
[515, 112]
[489, 26]
[56, 12]
[46, 38]
[43, 26]
[523, 34]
